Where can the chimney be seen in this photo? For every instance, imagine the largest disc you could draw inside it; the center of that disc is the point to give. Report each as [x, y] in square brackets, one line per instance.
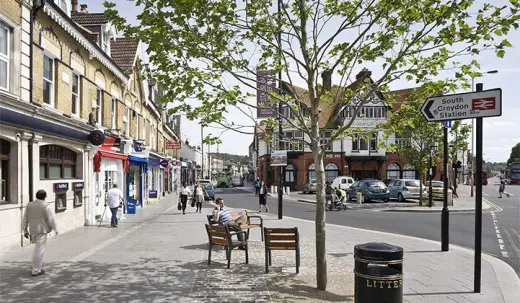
[84, 8]
[75, 6]
[364, 73]
[327, 79]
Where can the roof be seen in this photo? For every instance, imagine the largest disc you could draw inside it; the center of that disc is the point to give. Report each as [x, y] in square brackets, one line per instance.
[89, 18]
[123, 51]
[396, 98]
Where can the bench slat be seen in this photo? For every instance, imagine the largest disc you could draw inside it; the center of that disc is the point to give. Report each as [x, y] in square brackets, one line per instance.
[275, 237]
[286, 245]
[281, 230]
[219, 241]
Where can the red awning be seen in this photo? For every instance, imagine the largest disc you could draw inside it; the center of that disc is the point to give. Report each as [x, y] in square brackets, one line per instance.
[105, 154]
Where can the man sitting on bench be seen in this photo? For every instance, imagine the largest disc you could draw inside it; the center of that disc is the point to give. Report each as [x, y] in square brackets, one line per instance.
[223, 217]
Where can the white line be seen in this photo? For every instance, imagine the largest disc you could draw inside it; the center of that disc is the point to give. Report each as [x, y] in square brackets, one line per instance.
[499, 236]
[501, 241]
[501, 247]
[505, 254]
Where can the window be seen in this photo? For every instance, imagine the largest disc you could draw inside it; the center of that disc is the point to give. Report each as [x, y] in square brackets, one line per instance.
[373, 142]
[75, 94]
[48, 80]
[105, 42]
[136, 123]
[286, 112]
[372, 112]
[289, 173]
[143, 130]
[331, 172]
[393, 171]
[5, 45]
[355, 143]
[113, 113]
[99, 106]
[126, 121]
[409, 172]
[57, 162]
[5, 148]
[312, 172]
[326, 139]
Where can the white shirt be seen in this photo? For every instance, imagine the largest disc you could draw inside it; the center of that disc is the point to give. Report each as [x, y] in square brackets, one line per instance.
[114, 197]
[185, 191]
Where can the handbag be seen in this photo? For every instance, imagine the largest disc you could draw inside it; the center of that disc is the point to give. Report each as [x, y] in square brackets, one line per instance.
[193, 202]
[179, 206]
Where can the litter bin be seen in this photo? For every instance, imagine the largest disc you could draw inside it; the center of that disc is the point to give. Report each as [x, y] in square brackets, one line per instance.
[378, 273]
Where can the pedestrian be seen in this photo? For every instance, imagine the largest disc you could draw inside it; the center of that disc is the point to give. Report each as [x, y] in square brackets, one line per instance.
[198, 194]
[185, 193]
[262, 196]
[502, 188]
[114, 200]
[328, 196]
[38, 221]
[223, 217]
[257, 186]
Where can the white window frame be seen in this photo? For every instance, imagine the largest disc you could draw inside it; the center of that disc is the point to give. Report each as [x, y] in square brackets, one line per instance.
[373, 138]
[113, 119]
[136, 117]
[78, 94]
[143, 130]
[99, 106]
[355, 140]
[7, 57]
[51, 81]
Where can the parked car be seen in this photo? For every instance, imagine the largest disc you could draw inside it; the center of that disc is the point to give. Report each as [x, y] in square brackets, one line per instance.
[309, 187]
[209, 189]
[342, 182]
[438, 190]
[403, 189]
[237, 181]
[371, 190]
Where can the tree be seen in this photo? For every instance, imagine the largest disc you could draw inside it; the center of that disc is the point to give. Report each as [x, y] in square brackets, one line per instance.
[515, 154]
[206, 55]
[416, 138]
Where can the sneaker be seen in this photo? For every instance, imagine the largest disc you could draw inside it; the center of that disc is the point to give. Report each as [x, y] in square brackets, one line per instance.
[39, 274]
[266, 210]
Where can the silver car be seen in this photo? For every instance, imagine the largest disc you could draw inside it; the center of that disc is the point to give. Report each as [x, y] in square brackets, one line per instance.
[403, 189]
[309, 187]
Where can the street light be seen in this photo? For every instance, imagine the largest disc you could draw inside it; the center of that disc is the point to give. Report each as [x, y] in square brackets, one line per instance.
[209, 161]
[473, 129]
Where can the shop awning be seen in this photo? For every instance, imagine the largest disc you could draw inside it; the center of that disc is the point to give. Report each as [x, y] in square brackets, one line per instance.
[138, 159]
[104, 154]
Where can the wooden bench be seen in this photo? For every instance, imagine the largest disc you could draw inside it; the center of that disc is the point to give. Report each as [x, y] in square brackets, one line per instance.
[281, 239]
[221, 236]
[247, 225]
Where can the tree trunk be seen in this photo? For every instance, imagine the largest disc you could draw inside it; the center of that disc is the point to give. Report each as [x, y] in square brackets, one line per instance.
[321, 257]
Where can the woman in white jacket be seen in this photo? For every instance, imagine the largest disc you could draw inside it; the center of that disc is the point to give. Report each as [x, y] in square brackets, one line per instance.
[198, 193]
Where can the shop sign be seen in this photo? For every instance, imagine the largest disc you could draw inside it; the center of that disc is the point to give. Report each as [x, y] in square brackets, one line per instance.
[154, 162]
[164, 163]
[173, 144]
[279, 158]
[330, 156]
[61, 187]
[111, 144]
[78, 186]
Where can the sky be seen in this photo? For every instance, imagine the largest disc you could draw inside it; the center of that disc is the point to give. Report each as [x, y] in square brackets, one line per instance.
[500, 133]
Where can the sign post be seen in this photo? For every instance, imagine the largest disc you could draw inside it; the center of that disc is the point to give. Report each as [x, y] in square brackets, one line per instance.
[479, 104]
[279, 158]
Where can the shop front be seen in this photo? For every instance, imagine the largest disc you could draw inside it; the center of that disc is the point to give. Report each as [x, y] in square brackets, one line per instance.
[155, 176]
[137, 176]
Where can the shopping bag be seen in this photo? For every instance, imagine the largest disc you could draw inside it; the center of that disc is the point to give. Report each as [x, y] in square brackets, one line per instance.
[179, 206]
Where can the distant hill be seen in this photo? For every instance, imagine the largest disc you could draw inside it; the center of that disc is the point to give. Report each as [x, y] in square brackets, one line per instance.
[230, 157]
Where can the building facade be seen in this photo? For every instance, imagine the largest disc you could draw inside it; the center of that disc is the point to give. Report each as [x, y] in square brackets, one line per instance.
[76, 117]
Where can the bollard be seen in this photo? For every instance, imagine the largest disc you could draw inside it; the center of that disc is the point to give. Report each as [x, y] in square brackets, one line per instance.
[272, 189]
[378, 273]
[359, 198]
[275, 189]
[288, 191]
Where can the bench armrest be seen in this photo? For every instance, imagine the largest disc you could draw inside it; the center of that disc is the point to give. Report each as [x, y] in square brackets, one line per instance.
[255, 217]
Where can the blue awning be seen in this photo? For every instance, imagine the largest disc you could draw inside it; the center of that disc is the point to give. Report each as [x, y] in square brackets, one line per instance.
[138, 159]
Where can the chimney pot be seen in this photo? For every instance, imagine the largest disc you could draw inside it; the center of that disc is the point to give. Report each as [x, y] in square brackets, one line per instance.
[364, 73]
[327, 79]
[84, 8]
[75, 6]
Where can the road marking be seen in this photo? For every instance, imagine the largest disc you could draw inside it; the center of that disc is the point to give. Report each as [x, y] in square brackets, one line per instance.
[501, 245]
[511, 241]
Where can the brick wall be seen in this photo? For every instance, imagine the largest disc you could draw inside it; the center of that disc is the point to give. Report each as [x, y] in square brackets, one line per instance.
[38, 75]
[12, 10]
[107, 111]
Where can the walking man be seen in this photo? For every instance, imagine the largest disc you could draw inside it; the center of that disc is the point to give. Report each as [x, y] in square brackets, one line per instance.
[37, 222]
[114, 199]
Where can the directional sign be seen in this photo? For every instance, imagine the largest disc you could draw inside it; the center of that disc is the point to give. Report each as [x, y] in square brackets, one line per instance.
[482, 104]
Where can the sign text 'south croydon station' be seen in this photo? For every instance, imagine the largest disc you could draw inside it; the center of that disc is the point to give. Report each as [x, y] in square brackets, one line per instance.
[463, 106]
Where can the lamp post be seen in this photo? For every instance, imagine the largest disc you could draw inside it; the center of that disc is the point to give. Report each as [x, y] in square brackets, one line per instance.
[473, 130]
[202, 150]
[209, 161]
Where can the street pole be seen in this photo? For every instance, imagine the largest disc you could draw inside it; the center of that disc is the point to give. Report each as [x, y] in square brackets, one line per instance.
[472, 142]
[202, 150]
[445, 216]
[430, 173]
[280, 129]
[478, 204]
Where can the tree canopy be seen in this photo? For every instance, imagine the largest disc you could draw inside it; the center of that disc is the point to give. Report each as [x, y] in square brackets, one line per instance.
[515, 154]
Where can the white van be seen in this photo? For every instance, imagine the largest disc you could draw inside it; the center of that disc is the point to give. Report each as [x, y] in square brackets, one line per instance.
[342, 182]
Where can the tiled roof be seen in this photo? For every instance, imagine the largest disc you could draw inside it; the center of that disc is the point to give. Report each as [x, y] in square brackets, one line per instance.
[89, 18]
[123, 52]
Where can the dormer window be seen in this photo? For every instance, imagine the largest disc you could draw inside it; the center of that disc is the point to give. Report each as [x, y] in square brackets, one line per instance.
[105, 42]
[64, 5]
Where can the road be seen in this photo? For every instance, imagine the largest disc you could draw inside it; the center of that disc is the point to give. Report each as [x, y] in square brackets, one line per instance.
[422, 225]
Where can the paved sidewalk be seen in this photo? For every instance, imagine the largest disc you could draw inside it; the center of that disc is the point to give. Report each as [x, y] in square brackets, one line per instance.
[159, 255]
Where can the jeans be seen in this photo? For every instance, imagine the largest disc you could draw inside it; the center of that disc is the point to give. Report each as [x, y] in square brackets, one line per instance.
[113, 221]
[184, 201]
